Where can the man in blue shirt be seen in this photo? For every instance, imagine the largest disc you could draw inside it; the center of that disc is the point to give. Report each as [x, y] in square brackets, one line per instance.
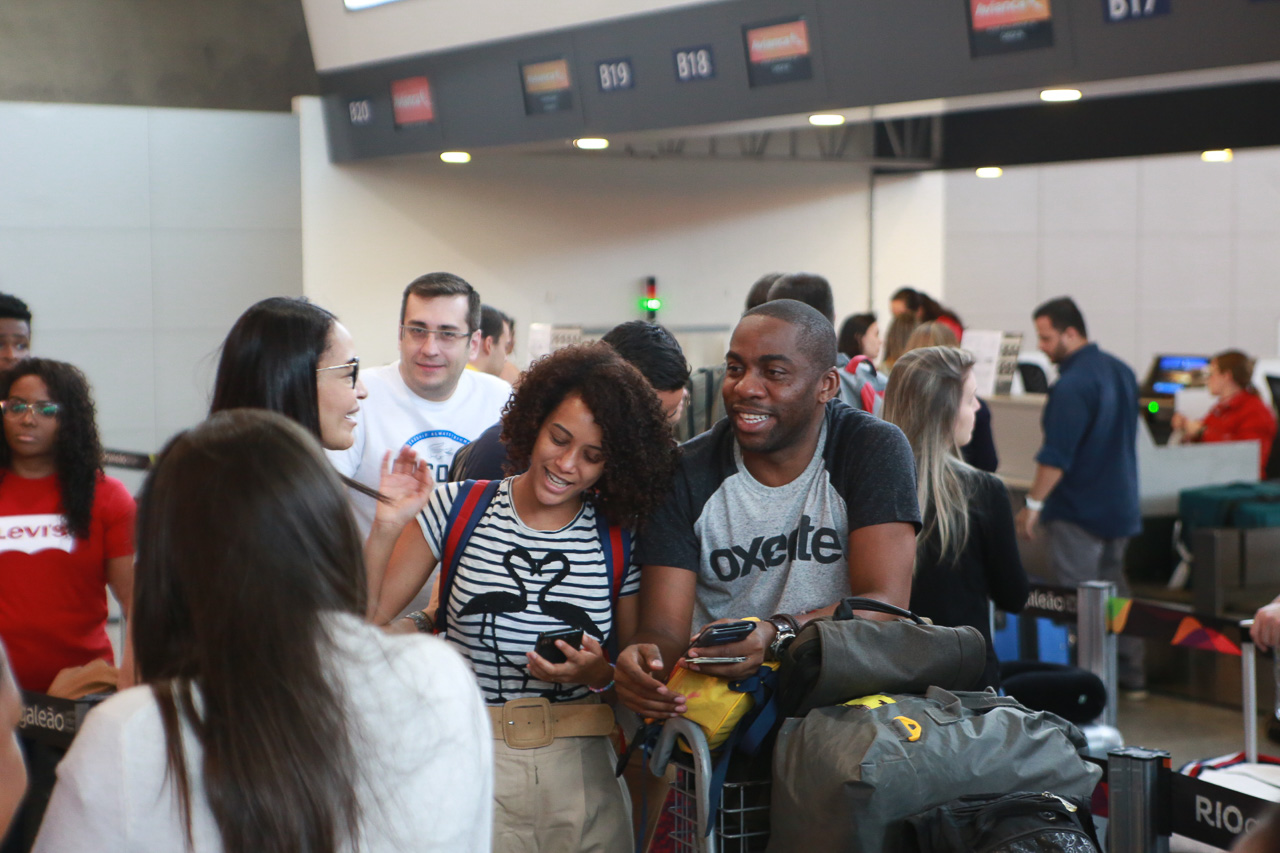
[1085, 491]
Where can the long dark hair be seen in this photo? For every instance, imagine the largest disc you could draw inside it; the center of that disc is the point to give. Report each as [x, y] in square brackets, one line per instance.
[77, 448]
[269, 360]
[245, 541]
[639, 450]
[852, 331]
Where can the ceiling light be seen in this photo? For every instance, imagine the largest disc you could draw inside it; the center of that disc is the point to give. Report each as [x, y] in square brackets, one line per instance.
[1058, 96]
[988, 172]
[591, 143]
[455, 156]
[1222, 156]
[826, 120]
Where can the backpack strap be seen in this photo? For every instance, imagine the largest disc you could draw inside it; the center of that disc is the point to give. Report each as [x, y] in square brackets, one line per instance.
[472, 499]
[852, 366]
[615, 541]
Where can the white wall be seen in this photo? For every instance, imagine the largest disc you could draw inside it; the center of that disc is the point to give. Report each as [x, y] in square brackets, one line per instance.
[568, 239]
[1162, 254]
[137, 236]
[908, 237]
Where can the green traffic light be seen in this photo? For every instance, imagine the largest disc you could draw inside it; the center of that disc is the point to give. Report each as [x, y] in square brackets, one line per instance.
[1153, 407]
[651, 304]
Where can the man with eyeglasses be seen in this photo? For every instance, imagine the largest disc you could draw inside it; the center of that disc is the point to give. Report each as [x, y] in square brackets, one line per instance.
[427, 400]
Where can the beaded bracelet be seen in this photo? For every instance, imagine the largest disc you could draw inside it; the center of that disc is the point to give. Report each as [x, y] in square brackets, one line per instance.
[602, 689]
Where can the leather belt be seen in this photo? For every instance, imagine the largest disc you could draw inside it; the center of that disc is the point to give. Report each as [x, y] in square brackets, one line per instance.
[534, 722]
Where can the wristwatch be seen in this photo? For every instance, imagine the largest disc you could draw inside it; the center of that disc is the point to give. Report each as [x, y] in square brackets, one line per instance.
[786, 627]
[421, 621]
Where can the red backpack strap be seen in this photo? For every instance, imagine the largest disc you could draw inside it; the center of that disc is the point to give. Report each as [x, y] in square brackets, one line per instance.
[469, 504]
[852, 366]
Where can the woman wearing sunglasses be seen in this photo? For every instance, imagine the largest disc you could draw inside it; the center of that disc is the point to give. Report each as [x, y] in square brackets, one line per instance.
[67, 527]
[295, 358]
[290, 356]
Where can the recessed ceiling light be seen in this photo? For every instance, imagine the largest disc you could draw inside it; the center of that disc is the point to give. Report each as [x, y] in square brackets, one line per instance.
[455, 156]
[1222, 156]
[1058, 96]
[591, 143]
[988, 172]
[826, 120]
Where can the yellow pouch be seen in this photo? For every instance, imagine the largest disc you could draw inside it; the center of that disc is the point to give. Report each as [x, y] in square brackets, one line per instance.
[711, 703]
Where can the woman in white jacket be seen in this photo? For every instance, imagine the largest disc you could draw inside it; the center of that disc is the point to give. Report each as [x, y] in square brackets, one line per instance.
[272, 717]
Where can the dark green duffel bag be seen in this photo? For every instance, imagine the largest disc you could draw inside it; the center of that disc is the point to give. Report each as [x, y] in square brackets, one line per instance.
[845, 778]
[836, 659]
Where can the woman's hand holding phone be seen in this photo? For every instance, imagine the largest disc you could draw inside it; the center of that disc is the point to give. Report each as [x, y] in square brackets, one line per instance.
[587, 665]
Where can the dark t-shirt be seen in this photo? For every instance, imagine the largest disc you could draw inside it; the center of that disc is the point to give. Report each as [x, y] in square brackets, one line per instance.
[1090, 426]
[759, 549]
[482, 459]
[989, 567]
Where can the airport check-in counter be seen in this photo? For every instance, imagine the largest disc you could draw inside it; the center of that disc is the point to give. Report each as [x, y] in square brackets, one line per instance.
[1163, 471]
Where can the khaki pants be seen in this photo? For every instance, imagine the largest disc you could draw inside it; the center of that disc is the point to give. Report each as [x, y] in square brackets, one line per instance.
[560, 798]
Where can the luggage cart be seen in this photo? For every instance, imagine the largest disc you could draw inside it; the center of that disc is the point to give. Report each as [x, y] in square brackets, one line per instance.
[741, 824]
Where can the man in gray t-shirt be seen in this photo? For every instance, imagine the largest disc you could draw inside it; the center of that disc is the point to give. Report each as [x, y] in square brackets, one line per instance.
[791, 503]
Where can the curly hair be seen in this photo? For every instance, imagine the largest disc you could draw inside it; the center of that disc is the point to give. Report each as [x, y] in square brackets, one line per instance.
[77, 448]
[639, 449]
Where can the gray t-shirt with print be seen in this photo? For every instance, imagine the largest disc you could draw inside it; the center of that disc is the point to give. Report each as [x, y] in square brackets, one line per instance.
[760, 550]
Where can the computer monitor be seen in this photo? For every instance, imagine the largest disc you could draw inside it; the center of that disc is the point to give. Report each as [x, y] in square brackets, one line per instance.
[1273, 385]
[1170, 374]
[1033, 378]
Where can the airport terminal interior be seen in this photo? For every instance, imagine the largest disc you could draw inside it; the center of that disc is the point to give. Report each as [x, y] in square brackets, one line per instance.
[585, 163]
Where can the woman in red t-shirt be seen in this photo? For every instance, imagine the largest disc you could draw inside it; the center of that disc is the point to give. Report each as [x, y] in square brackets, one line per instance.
[66, 529]
[1239, 415]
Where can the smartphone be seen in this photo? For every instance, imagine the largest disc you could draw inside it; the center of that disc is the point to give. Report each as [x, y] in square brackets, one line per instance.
[711, 661]
[548, 650]
[723, 634]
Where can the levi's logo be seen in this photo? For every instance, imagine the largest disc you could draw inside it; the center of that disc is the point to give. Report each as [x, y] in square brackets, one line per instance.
[32, 533]
[821, 544]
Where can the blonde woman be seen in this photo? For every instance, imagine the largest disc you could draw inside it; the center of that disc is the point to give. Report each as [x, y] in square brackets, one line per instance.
[967, 551]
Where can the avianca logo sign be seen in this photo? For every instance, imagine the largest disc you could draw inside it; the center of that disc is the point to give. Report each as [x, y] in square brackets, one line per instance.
[806, 543]
[988, 14]
[411, 100]
[31, 533]
[783, 41]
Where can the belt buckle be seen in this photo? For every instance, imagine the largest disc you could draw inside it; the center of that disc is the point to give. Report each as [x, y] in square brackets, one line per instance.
[528, 723]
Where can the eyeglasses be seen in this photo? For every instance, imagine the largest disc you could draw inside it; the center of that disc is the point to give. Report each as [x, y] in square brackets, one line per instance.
[353, 364]
[18, 408]
[446, 337]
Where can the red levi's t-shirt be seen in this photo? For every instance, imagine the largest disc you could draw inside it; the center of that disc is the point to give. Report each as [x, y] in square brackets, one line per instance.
[53, 587]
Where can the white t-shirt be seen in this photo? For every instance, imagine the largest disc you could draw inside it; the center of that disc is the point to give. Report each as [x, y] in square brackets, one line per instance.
[514, 582]
[424, 742]
[393, 416]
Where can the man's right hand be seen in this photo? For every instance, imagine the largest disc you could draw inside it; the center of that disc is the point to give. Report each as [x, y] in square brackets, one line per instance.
[637, 687]
[1266, 626]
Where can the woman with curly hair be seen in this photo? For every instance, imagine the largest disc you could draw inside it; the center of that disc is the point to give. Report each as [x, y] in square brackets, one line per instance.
[588, 432]
[70, 526]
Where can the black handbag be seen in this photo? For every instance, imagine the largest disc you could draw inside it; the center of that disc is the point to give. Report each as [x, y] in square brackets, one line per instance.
[1014, 823]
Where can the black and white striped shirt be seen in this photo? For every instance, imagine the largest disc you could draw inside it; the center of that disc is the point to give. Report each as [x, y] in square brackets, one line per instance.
[514, 582]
